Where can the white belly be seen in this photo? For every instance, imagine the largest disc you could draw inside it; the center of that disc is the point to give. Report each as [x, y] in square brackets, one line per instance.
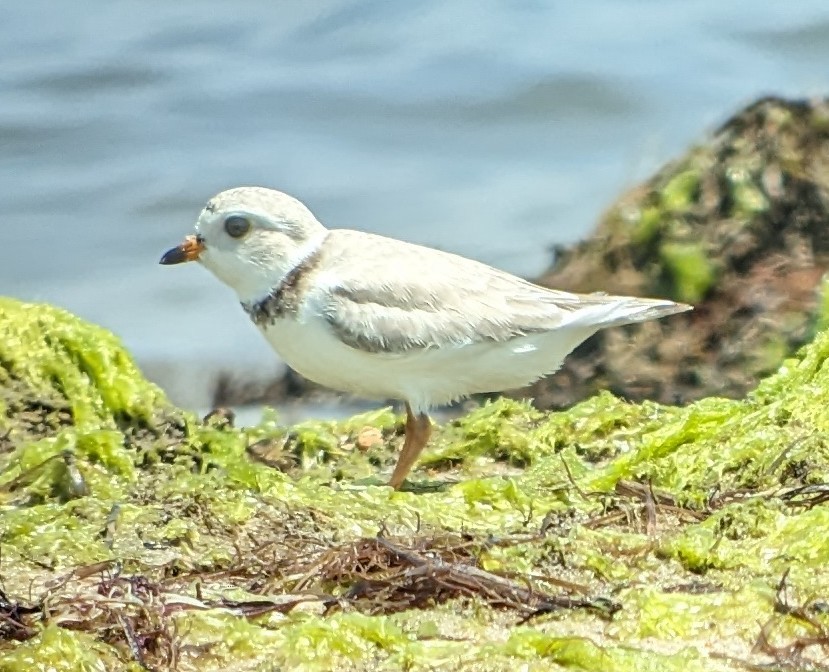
[424, 378]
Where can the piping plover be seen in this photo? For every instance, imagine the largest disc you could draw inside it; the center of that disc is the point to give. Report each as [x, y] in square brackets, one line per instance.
[387, 319]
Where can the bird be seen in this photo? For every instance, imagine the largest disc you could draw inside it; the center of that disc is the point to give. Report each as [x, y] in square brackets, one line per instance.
[382, 318]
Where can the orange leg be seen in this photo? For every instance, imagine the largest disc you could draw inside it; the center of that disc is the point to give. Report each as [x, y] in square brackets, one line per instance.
[418, 430]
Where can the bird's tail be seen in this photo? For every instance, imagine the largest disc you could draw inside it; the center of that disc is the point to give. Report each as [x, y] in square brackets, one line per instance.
[615, 311]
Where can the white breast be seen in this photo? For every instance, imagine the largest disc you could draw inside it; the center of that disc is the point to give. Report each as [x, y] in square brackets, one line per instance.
[424, 378]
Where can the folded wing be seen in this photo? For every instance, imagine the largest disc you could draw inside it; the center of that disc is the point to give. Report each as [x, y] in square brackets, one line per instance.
[392, 297]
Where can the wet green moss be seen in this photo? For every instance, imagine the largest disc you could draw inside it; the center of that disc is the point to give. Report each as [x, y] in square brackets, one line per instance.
[747, 197]
[546, 498]
[59, 356]
[681, 191]
[822, 321]
[62, 650]
[690, 271]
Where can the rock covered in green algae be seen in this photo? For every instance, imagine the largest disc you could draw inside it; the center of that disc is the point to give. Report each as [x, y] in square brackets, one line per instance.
[184, 542]
[67, 388]
[69, 366]
[737, 227]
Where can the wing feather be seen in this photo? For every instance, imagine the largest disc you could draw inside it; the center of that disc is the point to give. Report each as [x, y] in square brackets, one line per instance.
[387, 296]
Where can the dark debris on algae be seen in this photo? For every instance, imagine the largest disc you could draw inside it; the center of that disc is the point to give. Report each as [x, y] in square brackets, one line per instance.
[612, 536]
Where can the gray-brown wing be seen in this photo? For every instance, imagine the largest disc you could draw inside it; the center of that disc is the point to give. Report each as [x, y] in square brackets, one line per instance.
[394, 297]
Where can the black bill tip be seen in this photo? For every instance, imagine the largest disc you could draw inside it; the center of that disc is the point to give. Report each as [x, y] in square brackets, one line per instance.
[189, 250]
[176, 255]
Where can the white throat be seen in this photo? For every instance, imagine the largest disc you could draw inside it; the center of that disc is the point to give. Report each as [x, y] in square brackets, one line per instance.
[260, 284]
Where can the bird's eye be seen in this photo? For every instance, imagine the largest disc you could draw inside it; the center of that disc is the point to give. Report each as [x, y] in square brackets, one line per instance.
[237, 226]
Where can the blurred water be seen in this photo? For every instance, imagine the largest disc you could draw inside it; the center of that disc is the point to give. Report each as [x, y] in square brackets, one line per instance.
[493, 129]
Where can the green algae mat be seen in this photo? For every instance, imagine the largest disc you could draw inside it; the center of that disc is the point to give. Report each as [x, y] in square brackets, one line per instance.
[612, 536]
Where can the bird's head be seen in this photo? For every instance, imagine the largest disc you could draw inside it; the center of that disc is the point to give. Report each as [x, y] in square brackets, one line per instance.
[250, 238]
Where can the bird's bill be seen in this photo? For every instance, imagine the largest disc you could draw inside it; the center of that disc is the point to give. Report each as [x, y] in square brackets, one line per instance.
[189, 250]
